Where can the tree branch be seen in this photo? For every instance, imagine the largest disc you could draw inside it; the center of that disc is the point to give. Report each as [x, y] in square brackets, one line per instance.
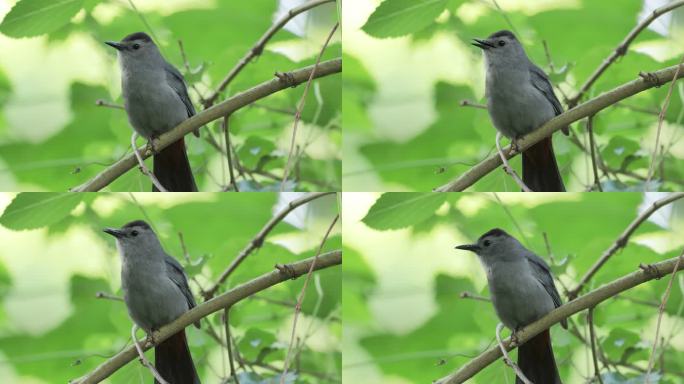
[591, 299]
[258, 239]
[218, 303]
[290, 79]
[259, 47]
[588, 108]
[621, 49]
[622, 240]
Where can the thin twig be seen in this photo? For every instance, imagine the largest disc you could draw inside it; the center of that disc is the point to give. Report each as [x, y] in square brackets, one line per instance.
[233, 374]
[661, 117]
[186, 64]
[507, 168]
[107, 104]
[258, 239]
[661, 310]
[300, 300]
[592, 336]
[470, 295]
[507, 359]
[143, 168]
[621, 241]
[108, 296]
[468, 103]
[621, 49]
[258, 48]
[143, 359]
[300, 107]
[226, 134]
[592, 144]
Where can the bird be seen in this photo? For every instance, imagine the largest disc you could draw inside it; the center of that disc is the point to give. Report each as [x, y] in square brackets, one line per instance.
[522, 291]
[520, 99]
[156, 100]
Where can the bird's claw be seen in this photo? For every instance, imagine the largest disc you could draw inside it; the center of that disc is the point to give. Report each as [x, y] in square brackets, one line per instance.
[152, 338]
[153, 145]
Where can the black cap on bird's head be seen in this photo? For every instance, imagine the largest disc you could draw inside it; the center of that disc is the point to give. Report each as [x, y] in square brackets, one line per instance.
[484, 241]
[496, 39]
[131, 229]
[132, 42]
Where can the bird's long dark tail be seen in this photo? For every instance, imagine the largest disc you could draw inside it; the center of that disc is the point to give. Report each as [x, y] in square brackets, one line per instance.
[172, 169]
[536, 361]
[173, 361]
[540, 170]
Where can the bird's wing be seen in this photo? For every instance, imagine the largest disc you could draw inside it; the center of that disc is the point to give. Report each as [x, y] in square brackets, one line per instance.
[541, 82]
[175, 272]
[543, 274]
[175, 80]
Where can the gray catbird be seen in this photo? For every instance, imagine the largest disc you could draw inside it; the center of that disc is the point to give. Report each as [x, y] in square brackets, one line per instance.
[156, 292]
[519, 100]
[156, 100]
[522, 291]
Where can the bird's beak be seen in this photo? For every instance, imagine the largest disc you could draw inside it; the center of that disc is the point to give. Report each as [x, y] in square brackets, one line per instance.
[116, 45]
[482, 44]
[114, 232]
[469, 247]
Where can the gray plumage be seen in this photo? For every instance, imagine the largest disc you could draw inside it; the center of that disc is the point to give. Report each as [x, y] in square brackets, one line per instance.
[520, 282]
[155, 95]
[155, 286]
[156, 100]
[156, 292]
[520, 99]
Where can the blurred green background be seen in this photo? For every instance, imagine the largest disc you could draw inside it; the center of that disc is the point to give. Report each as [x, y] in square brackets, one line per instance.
[54, 67]
[405, 322]
[55, 258]
[408, 68]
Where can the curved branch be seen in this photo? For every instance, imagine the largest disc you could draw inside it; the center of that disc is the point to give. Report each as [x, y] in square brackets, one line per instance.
[218, 303]
[621, 241]
[644, 82]
[621, 49]
[259, 47]
[591, 299]
[282, 81]
[258, 239]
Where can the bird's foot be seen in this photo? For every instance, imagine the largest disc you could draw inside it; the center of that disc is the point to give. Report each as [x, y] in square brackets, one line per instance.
[152, 338]
[515, 340]
[513, 148]
[152, 145]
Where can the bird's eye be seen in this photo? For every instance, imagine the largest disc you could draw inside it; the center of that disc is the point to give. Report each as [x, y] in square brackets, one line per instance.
[487, 243]
[501, 43]
[136, 46]
[134, 233]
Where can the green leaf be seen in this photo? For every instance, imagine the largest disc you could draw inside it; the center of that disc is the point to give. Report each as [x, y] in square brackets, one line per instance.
[402, 209]
[618, 150]
[253, 150]
[35, 210]
[395, 18]
[36, 17]
[256, 343]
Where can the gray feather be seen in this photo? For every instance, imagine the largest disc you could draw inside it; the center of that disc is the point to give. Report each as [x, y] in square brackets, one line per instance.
[175, 272]
[544, 276]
